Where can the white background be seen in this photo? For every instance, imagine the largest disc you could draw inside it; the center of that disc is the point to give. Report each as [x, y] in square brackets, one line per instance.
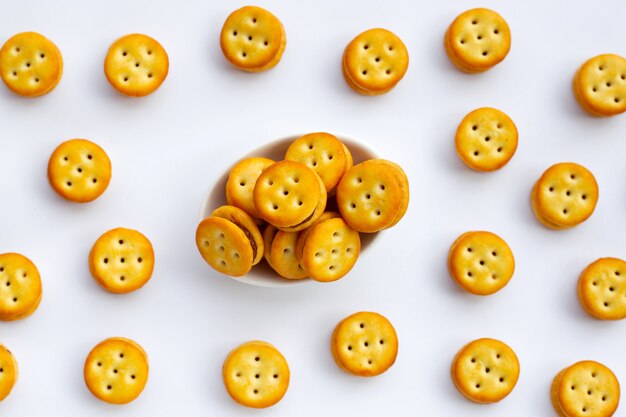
[167, 149]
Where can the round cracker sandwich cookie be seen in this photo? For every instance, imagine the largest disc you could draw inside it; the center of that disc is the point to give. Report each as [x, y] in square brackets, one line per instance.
[79, 170]
[20, 287]
[600, 85]
[477, 40]
[486, 139]
[330, 250]
[485, 370]
[283, 255]
[602, 289]
[371, 196]
[240, 183]
[364, 344]
[253, 39]
[304, 234]
[564, 196]
[121, 260]
[323, 153]
[30, 64]
[116, 370]
[374, 62]
[136, 65]
[289, 195]
[585, 389]
[256, 374]
[247, 224]
[481, 262]
[8, 372]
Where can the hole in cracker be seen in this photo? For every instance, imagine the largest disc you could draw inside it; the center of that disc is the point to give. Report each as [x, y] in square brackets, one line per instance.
[474, 127]
[257, 358]
[364, 72]
[603, 398]
[235, 33]
[473, 360]
[125, 79]
[243, 54]
[149, 52]
[115, 371]
[28, 64]
[572, 176]
[299, 203]
[275, 376]
[106, 260]
[249, 38]
[8, 283]
[593, 374]
[501, 379]
[366, 344]
[69, 183]
[99, 364]
[564, 211]
[122, 260]
[496, 31]
[390, 47]
[369, 362]
[366, 46]
[487, 138]
[568, 192]
[132, 376]
[573, 387]
[462, 41]
[606, 304]
[477, 386]
[479, 37]
[331, 267]
[150, 75]
[122, 278]
[588, 392]
[266, 43]
[353, 205]
[485, 53]
[378, 212]
[362, 325]
[616, 100]
[469, 274]
[256, 391]
[257, 376]
[388, 72]
[17, 49]
[499, 125]
[494, 253]
[368, 196]
[594, 283]
[15, 73]
[474, 22]
[121, 355]
[124, 53]
[481, 262]
[15, 299]
[349, 347]
[551, 189]
[617, 273]
[475, 153]
[377, 59]
[499, 149]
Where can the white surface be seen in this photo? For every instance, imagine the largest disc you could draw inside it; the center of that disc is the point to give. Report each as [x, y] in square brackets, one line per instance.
[168, 148]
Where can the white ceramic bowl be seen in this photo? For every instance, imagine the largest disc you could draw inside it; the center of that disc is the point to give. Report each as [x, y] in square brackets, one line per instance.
[261, 274]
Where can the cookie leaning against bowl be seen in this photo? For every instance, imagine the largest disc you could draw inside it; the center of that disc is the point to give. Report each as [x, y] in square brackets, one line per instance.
[20, 287]
[602, 289]
[585, 389]
[116, 370]
[600, 85]
[564, 196]
[30, 64]
[481, 262]
[374, 62]
[253, 39]
[256, 374]
[8, 376]
[289, 195]
[477, 40]
[240, 183]
[79, 170]
[121, 260]
[136, 65]
[364, 344]
[486, 139]
[485, 370]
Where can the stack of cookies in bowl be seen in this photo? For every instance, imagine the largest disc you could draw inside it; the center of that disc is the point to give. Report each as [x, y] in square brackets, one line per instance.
[304, 214]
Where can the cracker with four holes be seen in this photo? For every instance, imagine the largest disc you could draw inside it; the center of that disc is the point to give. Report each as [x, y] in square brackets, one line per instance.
[481, 262]
[486, 139]
[253, 39]
[304, 234]
[283, 255]
[136, 65]
[8, 372]
[121, 260]
[374, 62]
[477, 40]
[602, 289]
[289, 195]
[30, 64]
[256, 374]
[600, 85]
[20, 287]
[240, 183]
[116, 370]
[564, 196]
[364, 344]
[371, 197]
[585, 389]
[330, 250]
[79, 170]
[224, 246]
[485, 370]
[323, 153]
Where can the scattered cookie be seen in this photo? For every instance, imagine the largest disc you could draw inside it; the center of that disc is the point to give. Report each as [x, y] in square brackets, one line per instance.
[20, 287]
[253, 39]
[364, 344]
[477, 40]
[565, 196]
[481, 262]
[289, 195]
[374, 62]
[602, 289]
[323, 153]
[241, 182]
[247, 224]
[116, 370]
[486, 139]
[8, 372]
[136, 65]
[302, 237]
[30, 64]
[330, 250]
[225, 246]
[485, 370]
[121, 260]
[283, 256]
[256, 375]
[79, 170]
[585, 389]
[370, 197]
[600, 85]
